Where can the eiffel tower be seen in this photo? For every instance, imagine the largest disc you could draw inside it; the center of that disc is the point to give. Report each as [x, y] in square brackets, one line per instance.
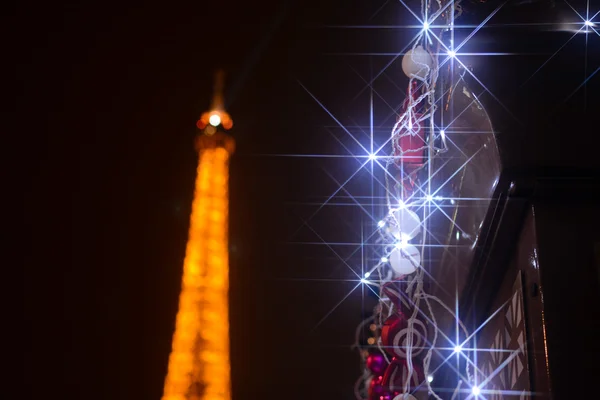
[199, 367]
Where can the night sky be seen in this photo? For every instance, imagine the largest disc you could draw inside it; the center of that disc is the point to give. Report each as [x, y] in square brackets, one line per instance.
[108, 97]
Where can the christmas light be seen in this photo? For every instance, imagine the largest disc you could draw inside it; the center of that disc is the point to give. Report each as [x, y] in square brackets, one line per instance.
[475, 390]
[402, 244]
[452, 53]
[589, 23]
[367, 274]
[425, 25]
[430, 378]
[384, 259]
[381, 224]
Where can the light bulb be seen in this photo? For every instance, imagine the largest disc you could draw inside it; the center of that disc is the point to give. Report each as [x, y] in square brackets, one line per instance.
[452, 53]
[457, 349]
[372, 157]
[430, 378]
[214, 120]
[476, 391]
[402, 244]
[425, 25]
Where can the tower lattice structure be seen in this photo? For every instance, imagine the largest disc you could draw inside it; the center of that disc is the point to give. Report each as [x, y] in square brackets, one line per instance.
[199, 363]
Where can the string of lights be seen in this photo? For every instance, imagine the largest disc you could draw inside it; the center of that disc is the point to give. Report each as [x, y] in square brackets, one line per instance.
[405, 327]
[438, 182]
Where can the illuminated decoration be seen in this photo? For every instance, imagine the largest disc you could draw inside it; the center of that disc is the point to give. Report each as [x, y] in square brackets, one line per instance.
[199, 367]
[443, 167]
[409, 331]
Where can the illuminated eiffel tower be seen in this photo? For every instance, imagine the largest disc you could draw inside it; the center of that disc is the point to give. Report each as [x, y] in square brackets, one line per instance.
[199, 367]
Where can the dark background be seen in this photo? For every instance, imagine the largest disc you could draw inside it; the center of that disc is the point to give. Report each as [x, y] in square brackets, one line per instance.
[107, 99]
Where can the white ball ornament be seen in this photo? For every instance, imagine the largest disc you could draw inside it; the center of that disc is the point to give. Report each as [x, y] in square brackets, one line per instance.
[405, 259]
[417, 63]
[405, 396]
[408, 224]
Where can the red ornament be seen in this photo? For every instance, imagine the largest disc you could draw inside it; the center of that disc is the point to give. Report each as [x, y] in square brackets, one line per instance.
[376, 363]
[393, 290]
[376, 389]
[409, 141]
[397, 373]
[394, 335]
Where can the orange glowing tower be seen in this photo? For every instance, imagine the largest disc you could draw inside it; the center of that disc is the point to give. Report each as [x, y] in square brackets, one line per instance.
[199, 366]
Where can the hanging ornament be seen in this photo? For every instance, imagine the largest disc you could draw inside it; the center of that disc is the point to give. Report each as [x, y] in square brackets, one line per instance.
[405, 396]
[376, 363]
[408, 141]
[394, 335]
[405, 259]
[417, 63]
[393, 291]
[397, 373]
[376, 389]
[408, 224]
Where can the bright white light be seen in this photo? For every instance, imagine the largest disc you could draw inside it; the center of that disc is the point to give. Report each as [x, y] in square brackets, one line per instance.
[364, 281]
[457, 349]
[384, 259]
[457, 235]
[476, 391]
[589, 23]
[405, 237]
[452, 53]
[372, 157]
[214, 120]
[439, 198]
[425, 25]
[452, 201]
[367, 274]
[402, 245]
[401, 203]
[381, 224]
[443, 133]
[430, 378]
[429, 197]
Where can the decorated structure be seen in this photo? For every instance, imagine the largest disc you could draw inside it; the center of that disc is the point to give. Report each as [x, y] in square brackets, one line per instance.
[199, 367]
[471, 253]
